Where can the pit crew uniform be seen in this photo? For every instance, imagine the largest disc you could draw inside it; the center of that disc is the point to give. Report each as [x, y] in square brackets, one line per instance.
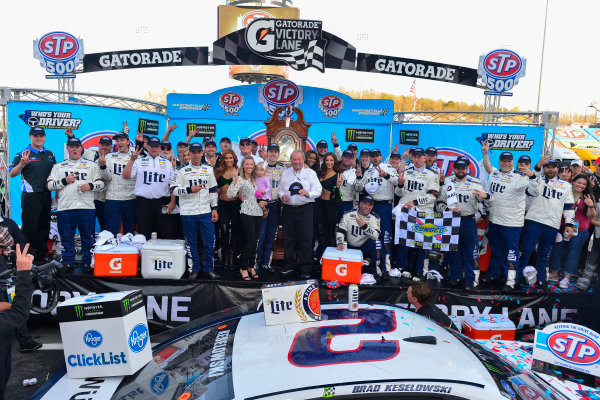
[195, 209]
[421, 186]
[120, 200]
[347, 192]
[552, 199]
[100, 196]
[506, 216]
[382, 191]
[36, 199]
[76, 210]
[362, 238]
[463, 261]
[152, 178]
[268, 230]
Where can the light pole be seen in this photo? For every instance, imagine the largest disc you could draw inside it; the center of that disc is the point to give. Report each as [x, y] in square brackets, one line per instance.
[542, 62]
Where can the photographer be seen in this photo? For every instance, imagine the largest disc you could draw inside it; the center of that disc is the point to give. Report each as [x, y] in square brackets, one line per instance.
[13, 316]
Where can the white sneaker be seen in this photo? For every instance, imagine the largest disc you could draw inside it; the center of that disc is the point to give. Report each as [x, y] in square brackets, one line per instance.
[395, 272]
[367, 279]
[564, 284]
[552, 278]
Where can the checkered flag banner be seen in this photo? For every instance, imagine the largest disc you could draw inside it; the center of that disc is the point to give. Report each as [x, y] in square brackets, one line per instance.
[312, 56]
[427, 230]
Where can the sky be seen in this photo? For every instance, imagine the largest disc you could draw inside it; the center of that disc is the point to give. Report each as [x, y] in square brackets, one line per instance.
[454, 32]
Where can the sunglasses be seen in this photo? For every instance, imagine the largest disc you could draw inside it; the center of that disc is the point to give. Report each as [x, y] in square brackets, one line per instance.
[165, 147]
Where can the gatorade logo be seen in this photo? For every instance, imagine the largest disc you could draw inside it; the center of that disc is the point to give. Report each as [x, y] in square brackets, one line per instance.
[341, 269]
[115, 264]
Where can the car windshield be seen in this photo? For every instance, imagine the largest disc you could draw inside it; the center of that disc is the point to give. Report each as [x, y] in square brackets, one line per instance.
[192, 361]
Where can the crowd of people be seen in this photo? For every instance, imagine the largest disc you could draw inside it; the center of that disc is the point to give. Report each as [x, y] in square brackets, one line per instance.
[234, 202]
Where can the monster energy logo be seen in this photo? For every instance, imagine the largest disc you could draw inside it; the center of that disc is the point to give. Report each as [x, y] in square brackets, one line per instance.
[126, 305]
[143, 124]
[360, 135]
[409, 137]
[148, 126]
[79, 312]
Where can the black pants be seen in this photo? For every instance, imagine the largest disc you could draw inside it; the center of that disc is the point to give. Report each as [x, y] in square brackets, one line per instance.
[36, 223]
[5, 367]
[22, 334]
[326, 221]
[298, 236]
[229, 227]
[100, 214]
[150, 218]
[252, 227]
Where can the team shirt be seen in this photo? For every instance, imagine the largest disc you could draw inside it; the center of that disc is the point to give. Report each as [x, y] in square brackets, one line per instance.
[421, 186]
[274, 173]
[152, 177]
[94, 155]
[34, 175]
[348, 229]
[117, 188]
[347, 188]
[551, 200]
[507, 205]
[69, 196]
[381, 188]
[465, 199]
[204, 200]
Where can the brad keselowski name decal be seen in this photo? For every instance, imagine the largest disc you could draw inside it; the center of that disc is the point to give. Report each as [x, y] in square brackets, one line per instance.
[50, 119]
[402, 388]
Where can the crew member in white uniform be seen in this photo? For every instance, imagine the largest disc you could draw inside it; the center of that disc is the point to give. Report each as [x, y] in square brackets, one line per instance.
[152, 174]
[75, 180]
[346, 182]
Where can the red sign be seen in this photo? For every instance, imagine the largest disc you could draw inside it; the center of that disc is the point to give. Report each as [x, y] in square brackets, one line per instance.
[502, 63]
[281, 92]
[571, 133]
[230, 99]
[252, 15]
[58, 45]
[574, 347]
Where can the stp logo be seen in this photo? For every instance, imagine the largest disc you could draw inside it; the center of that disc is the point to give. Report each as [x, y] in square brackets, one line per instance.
[341, 269]
[571, 133]
[115, 264]
[574, 347]
[331, 105]
[231, 102]
[447, 156]
[58, 52]
[251, 16]
[281, 92]
[92, 140]
[530, 393]
[502, 63]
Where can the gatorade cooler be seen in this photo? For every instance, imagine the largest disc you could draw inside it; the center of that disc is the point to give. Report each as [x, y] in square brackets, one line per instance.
[489, 326]
[343, 266]
[163, 259]
[121, 260]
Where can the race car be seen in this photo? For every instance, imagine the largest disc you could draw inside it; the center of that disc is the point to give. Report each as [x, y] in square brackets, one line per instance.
[380, 351]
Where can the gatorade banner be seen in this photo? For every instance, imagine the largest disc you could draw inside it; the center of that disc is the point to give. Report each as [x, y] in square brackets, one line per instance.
[89, 123]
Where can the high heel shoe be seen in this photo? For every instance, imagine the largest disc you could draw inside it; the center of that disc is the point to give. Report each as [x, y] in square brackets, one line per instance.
[245, 275]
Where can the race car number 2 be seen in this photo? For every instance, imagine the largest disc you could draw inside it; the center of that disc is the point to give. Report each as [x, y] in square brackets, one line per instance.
[312, 346]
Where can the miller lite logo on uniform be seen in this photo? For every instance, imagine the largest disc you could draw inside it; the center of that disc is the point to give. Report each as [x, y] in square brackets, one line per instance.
[501, 69]
[331, 105]
[279, 92]
[59, 53]
[231, 102]
[291, 302]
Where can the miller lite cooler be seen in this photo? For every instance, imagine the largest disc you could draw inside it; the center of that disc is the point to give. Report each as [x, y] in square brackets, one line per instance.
[104, 334]
[120, 260]
[343, 266]
[290, 302]
[163, 258]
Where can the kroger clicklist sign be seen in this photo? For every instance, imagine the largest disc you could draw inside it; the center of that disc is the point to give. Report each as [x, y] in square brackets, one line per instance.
[501, 69]
[59, 53]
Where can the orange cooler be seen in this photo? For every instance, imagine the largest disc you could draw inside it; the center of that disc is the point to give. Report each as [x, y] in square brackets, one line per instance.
[489, 326]
[343, 266]
[121, 260]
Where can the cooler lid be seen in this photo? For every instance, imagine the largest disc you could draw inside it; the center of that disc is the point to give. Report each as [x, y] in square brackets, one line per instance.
[99, 306]
[489, 321]
[164, 244]
[121, 248]
[353, 255]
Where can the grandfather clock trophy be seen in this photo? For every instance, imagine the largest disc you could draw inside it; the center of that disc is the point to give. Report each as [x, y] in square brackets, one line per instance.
[288, 133]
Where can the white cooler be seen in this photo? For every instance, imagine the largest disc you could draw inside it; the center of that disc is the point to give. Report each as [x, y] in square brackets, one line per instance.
[163, 259]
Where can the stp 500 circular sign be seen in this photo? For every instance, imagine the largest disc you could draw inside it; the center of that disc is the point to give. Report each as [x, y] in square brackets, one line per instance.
[501, 69]
[281, 92]
[58, 52]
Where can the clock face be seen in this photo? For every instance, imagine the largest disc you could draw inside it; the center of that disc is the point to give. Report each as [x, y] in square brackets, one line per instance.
[287, 143]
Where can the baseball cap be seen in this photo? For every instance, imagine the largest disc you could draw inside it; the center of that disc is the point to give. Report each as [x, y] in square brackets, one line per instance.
[273, 146]
[146, 137]
[321, 143]
[431, 150]
[295, 188]
[461, 163]
[365, 152]
[418, 151]
[166, 144]
[245, 141]
[375, 152]
[254, 142]
[153, 141]
[37, 130]
[524, 159]
[225, 139]
[182, 144]
[506, 156]
[551, 162]
[120, 135]
[73, 142]
[395, 154]
[352, 147]
[195, 146]
[348, 153]
[576, 162]
[598, 160]
[367, 197]
[210, 142]
[106, 139]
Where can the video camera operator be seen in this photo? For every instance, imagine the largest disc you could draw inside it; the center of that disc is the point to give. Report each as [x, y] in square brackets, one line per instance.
[13, 316]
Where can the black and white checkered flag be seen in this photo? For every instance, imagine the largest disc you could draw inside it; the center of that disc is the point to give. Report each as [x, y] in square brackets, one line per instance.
[427, 230]
[312, 56]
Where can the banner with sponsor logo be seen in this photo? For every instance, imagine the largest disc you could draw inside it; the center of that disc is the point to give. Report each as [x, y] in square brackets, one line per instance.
[89, 123]
[170, 303]
[147, 58]
[453, 141]
[416, 68]
[427, 230]
[577, 137]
